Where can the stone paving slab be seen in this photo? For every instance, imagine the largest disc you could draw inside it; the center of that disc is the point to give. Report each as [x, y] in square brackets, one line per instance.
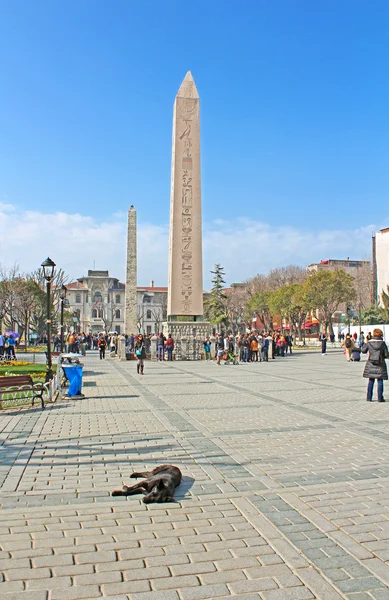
[285, 491]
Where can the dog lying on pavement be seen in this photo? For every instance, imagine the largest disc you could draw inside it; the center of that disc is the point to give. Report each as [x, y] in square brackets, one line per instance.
[159, 484]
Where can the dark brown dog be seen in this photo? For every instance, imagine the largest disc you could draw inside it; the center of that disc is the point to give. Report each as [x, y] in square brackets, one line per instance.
[158, 485]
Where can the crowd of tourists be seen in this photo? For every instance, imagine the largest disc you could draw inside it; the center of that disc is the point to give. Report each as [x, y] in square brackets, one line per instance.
[247, 348]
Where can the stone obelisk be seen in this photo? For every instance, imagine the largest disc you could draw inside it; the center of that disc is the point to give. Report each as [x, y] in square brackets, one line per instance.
[185, 284]
[185, 290]
[131, 274]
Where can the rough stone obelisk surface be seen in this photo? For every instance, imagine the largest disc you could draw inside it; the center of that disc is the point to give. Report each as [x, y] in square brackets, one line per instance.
[185, 286]
[185, 289]
[131, 274]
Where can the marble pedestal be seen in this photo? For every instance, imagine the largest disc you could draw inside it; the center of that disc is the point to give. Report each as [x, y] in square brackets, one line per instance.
[188, 338]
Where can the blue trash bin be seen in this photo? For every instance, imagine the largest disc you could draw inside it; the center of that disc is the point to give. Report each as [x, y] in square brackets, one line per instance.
[74, 375]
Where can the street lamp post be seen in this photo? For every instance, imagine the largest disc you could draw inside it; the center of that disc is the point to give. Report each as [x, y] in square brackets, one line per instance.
[62, 295]
[48, 271]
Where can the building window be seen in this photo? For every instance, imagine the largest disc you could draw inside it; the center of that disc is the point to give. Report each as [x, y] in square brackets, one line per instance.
[94, 314]
[87, 299]
[78, 298]
[117, 328]
[98, 297]
[148, 329]
[146, 299]
[148, 314]
[117, 299]
[117, 314]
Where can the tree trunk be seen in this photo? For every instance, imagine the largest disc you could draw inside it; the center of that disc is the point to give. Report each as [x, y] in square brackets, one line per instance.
[26, 334]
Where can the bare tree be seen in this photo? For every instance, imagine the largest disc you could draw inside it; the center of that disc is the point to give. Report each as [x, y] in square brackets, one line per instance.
[140, 317]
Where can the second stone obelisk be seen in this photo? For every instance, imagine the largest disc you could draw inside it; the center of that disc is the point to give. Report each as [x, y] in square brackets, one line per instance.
[185, 289]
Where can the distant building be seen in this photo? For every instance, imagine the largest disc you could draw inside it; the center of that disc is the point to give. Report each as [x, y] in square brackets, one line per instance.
[350, 266]
[361, 271]
[382, 257]
[97, 302]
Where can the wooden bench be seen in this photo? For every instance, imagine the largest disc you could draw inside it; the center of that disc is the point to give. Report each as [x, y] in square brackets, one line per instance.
[21, 384]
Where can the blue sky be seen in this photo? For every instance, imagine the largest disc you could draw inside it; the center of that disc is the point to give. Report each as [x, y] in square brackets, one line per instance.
[295, 128]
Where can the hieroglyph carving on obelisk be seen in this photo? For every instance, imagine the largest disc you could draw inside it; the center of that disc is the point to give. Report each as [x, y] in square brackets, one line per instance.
[131, 275]
[185, 291]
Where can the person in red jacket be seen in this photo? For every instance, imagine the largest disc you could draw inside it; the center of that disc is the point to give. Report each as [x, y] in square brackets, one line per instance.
[169, 345]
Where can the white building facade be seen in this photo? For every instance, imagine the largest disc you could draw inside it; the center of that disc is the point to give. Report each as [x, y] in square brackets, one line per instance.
[382, 254]
[97, 302]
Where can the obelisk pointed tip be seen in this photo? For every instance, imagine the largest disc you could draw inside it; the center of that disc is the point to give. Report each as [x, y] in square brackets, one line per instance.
[188, 87]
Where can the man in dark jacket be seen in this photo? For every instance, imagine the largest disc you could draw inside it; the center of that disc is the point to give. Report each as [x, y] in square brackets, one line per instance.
[376, 366]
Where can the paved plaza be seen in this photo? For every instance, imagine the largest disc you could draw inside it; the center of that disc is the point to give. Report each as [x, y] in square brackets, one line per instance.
[285, 492]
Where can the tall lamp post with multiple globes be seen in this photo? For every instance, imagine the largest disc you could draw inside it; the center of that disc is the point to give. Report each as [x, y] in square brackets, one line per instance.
[62, 296]
[48, 271]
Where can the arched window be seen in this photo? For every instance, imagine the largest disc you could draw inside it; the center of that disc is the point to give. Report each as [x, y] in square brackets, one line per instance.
[117, 300]
[117, 314]
[148, 314]
[98, 296]
[78, 298]
[94, 314]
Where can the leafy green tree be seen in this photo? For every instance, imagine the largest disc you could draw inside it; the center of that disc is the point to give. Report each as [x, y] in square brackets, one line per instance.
[326, 291]
[374, 315]
[385, 301]
[260, 304]
[215, 307]
[290, 303]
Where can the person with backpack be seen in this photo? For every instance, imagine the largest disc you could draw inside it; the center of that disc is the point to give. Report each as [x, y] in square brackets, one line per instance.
[348, 343]
[376, 366]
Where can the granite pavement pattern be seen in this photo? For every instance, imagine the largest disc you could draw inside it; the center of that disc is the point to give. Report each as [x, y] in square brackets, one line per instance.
[285, 493]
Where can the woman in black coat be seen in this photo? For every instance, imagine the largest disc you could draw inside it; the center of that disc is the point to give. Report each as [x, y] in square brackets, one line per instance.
[140, 353]
[376, 366]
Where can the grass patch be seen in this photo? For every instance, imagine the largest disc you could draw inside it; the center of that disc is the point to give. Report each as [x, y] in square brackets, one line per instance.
[30, 369]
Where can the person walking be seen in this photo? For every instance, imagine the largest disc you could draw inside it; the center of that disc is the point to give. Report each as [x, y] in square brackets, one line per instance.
[102, 344]
[375, 367]
[140, 352]
[170, 347]
[11, 345]
[348, 344]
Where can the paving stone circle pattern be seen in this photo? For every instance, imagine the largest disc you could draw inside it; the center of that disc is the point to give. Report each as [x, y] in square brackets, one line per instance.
[285, 492]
